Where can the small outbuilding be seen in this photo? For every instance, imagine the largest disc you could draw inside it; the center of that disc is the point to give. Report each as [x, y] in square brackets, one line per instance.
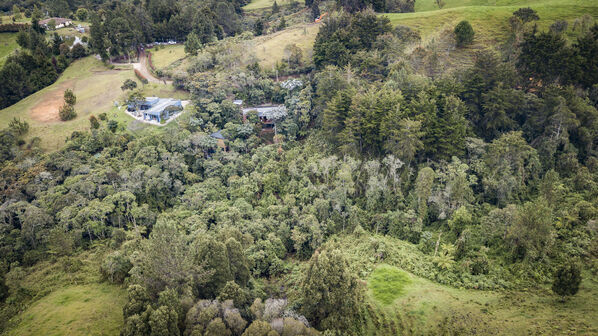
[220, 139]
[267, 114]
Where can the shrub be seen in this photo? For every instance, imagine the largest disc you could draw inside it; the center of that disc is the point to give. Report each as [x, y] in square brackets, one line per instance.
[129, 84]
[464, 33]
[149, 61]
[95, 124]
[69, 97]
[67, 112]
[526, 14]
[13, 27]
[78, 51]
[116, 267]
[112, 125]
[18, 127]
[566, 280]
[82, 14]
[141, 77]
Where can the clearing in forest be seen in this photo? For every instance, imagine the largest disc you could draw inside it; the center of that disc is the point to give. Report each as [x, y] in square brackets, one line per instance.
[96, 87]
[387, 283]
[261, 4]
[94, 309]
[270, 49]
[8, 44]
[164, 56]
[489, 18]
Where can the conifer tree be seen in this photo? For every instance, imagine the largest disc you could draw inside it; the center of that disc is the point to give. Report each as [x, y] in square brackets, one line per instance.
[333, 120]
[566, 280]
[331, 294]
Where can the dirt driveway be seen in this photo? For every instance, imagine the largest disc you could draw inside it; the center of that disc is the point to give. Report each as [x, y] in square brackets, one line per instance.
[143, 68]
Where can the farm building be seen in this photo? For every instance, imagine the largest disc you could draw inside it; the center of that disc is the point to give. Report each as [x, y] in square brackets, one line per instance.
[57, 22]
[158, 109]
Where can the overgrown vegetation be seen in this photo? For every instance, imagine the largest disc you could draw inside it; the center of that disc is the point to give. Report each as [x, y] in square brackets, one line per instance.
[374, 174]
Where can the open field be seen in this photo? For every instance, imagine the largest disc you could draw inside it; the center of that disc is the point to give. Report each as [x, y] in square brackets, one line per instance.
[426, 304]
[489, 18]
[68, 297]
[77, 310]
[166, 55]
[96, 88]
[8, 19]
[269, 49]
[261, 4]
[8, 44]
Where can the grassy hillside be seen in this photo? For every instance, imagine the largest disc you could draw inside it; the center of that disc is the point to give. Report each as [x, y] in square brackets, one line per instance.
[8, 44]
[269, 49]
[166, 55]
[489, 18]
[96, 88]
[261, 4]
[66, 296]
[423, 305]
[76, 310]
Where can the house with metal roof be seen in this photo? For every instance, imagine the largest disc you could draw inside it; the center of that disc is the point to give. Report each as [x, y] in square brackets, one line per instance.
[220, 139]
[158, 109]
[268, 114]
[57, 22]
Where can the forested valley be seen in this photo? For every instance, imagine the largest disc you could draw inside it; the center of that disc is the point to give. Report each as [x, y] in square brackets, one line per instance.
[395, 165]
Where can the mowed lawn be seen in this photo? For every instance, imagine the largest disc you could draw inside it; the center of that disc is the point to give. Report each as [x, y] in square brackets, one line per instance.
[8, 44]
[94, 309]
[166, 55]
[269, 49]
[96, 88]
[489, 18]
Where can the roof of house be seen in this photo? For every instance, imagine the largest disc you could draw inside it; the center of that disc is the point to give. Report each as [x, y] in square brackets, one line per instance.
[56, 20]
[238, 102]
[264, 111]
[151, 100]
[161, 105]
[217, 135]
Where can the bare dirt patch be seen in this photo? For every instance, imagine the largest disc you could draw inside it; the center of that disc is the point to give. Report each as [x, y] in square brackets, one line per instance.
[46, 110]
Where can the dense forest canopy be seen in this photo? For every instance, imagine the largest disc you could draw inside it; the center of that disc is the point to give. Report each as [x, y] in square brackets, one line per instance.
[486, 174]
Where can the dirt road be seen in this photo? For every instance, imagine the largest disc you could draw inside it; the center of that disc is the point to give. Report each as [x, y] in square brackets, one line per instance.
[143, 68]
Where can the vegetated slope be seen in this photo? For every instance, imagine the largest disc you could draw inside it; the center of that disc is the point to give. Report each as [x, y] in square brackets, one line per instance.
[269, 49]
[8, 44]
[428, 5]
[426, 305]
[489, 21]
[166, 55]
[65, 296]
[77, 310]
[96, 88]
